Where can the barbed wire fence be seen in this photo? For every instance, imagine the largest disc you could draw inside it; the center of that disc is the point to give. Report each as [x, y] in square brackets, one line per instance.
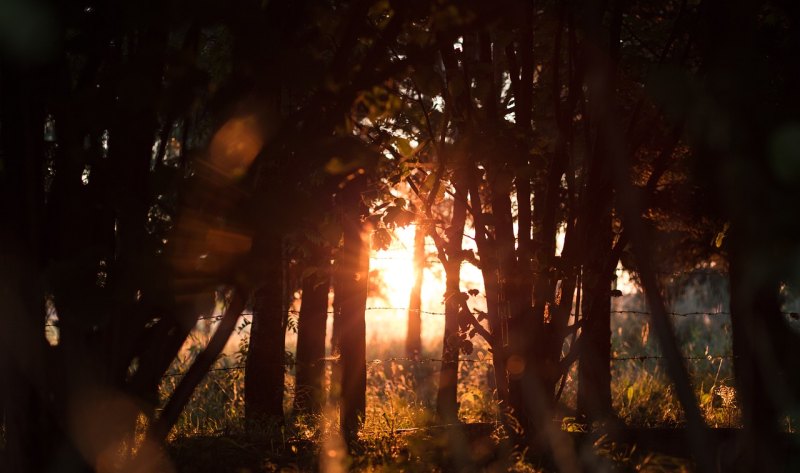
[489, 360]
[386, 254]
[242, 366]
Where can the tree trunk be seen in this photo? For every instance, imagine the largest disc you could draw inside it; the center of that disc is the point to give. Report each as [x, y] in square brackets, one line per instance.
[311, 332]
[594, 364]
[264, 372]
[157, 431]
[487, 253]
[414, 330]
[765, 361]
[446, 397]
[353, 286]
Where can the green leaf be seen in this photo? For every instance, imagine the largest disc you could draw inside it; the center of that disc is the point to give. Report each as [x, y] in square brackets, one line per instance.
[403, 146]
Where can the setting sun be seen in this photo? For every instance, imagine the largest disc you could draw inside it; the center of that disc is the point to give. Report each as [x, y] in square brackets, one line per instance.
[393, 272]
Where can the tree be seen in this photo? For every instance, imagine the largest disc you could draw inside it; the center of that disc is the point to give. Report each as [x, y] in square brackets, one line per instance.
[751, 183]
[414, 330]
[311, 330]
[122, 239]
[354, 271]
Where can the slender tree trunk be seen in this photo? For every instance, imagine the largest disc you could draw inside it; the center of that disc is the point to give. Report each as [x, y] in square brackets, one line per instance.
[264, 372]
[158, 430]
[335, 391]
[414, 330]
[446, 398]
[353, 286]
[311, 331]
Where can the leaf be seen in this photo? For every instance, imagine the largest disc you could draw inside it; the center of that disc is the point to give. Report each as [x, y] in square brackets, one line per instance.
[467, 347]
[453, 340]
[381, 239]
[374, 220]
[457, 298]
[721, 236]
[404, 218]
[473, 292]
[390, 214]
[403, 147]
[428, 182]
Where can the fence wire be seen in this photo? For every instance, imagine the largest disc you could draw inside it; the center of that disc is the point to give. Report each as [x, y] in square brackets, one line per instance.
[242, 366]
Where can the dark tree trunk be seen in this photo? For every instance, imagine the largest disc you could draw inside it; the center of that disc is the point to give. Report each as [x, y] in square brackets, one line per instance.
[513, 298]
[28, 384]
[414, 329]
[446, 397]
[264, 372]
[488, 258]
[311, 332]
[596, 233]
[764, 348]
[353, 286]
[533, 396]
[594, 365]
[158, 430]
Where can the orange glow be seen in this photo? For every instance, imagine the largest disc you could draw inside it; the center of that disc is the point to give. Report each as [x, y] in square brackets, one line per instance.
[516, 365]
[228, 242]
[393, 273]
[387, 314]
[235, 145]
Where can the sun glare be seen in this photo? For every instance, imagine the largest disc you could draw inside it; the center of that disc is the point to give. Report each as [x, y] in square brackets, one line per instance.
[392, 271]
[393, 268]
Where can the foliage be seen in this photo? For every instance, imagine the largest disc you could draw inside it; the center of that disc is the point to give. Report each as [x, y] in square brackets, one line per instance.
[400, 397]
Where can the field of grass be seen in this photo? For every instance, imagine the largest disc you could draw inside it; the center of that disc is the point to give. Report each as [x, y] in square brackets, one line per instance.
[401, 394]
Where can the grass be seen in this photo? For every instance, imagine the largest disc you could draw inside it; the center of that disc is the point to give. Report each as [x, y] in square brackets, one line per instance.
[400, 395]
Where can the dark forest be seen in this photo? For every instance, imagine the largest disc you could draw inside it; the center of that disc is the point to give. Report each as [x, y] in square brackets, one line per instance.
[399, 235]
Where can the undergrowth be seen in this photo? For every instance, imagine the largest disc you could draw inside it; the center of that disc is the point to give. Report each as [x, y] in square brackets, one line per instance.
[401, 395]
